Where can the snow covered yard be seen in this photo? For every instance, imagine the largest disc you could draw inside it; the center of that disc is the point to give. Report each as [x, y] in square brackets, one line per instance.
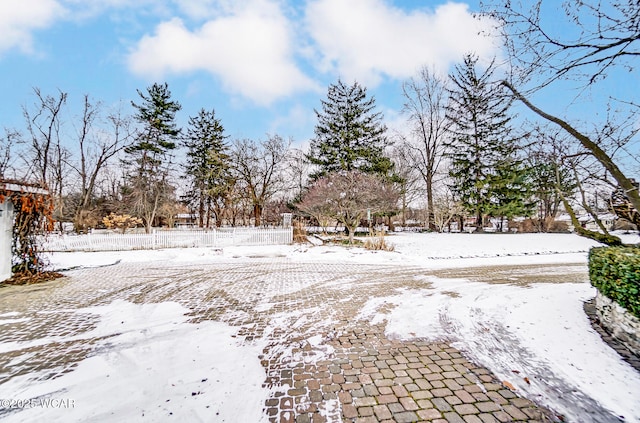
[195, 333]
[149, 365]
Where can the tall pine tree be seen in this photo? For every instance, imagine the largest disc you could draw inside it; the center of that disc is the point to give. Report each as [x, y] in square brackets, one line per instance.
[149, 157]
[488, 178]
[349, 134]
[207, 168]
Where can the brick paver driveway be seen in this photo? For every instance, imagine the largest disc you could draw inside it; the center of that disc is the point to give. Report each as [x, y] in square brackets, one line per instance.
[351, 372]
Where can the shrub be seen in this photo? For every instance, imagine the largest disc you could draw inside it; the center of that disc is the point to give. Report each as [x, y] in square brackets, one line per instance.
[526, 226]
[378, 243]
[624, 225]
[557, 226]
[548, 224]
[299, 232]
[122, 222]
[615, 272]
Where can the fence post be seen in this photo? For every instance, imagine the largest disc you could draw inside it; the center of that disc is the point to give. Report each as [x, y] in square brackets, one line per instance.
[153, 239]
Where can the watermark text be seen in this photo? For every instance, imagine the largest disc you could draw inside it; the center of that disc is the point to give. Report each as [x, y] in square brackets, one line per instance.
[17, 403]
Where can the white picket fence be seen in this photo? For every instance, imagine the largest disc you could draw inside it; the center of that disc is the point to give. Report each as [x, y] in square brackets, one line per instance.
[223, 237]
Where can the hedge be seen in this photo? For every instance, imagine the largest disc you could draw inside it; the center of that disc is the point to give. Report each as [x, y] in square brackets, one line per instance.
[615, 272]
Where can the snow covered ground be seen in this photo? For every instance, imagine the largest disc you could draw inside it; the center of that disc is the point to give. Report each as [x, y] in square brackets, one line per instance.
[430, 250]
[530, 330]
[151, 364]
[537, 338]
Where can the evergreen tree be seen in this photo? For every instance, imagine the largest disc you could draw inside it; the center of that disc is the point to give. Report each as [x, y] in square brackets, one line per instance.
[207, 167]
[349, 134]
[488, 177]
[148, 158]
[512, 191]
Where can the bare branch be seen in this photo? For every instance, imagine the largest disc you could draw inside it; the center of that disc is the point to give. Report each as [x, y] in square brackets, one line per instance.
[629, 187]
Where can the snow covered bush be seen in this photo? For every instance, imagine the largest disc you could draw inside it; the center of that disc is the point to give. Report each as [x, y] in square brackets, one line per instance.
[615, 272]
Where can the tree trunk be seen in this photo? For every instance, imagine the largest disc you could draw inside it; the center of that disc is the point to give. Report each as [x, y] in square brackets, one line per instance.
[430, 214]
[257, 214]
[404, 210]
[629, 188]
[201, 213]
[607, 239]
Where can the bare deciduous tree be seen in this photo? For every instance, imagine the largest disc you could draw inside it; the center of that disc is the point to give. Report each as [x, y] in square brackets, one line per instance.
[48, 158]
[43, 125]
[348, 196]
[411, 183]
[315, 204]
[298, 171]
[258, 169]
[446, 209]
[597, 40]
[8, 144]
[590, 145]
[588, 41]
[425, 101]
[95, 148]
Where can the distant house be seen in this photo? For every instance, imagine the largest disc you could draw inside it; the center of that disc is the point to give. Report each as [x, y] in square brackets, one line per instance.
[186, 220]
[607, 219]
[7, 213]
[588, 222]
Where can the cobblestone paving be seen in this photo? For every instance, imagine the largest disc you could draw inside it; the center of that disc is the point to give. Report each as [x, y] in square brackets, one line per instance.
[323, 362]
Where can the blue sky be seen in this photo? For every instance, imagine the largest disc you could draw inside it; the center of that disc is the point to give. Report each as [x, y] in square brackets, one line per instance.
[263, 65]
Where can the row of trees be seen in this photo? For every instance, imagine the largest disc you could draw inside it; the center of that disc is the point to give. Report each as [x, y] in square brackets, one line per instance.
[463, 123]
[104, 162]
[461, 153]
[463, 145]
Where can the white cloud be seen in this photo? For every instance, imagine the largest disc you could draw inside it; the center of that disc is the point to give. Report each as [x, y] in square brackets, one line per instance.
[250, 50]
[368, 39]
[296, 122]
[18, 19]
[396, 123]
